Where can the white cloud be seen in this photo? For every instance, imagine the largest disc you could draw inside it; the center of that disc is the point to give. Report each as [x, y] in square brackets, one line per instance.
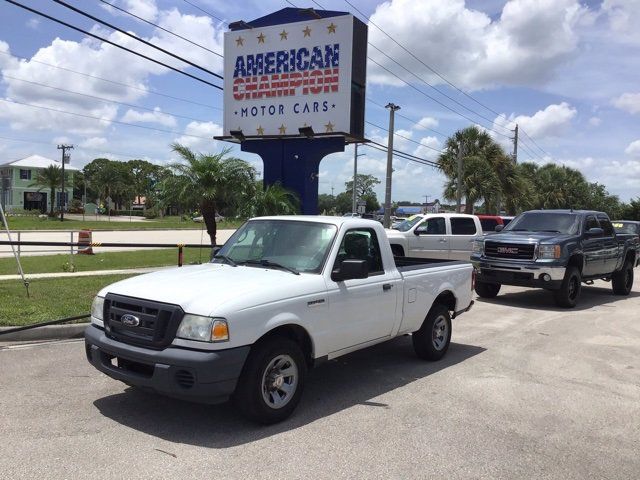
[524, 46]
[426, 123]
[207, 130]
[595, 121]
[146, 9]
[33, 23]
[633, 150]
[429, 148]
[157, 117]
[553, 121]
[629, 102]
[94, 142]
[623, 16]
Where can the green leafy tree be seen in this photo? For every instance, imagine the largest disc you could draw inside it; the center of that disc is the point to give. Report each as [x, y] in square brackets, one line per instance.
[364, 185]
[274, 200]
[51, 178]
[145, 176]
[344, 202]
[203, 180]
[326, 203]
[632, 210]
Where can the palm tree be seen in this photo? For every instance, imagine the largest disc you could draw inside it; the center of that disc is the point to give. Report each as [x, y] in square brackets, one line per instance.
[51, 178]
[274, 200]
[205, 180]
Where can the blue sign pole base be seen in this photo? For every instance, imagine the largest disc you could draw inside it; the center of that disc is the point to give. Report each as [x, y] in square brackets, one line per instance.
[294, 162]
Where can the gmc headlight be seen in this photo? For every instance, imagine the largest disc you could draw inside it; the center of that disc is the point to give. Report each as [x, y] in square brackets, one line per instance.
[203, 329]
[97, 309]
[549, 251]
[478, 247]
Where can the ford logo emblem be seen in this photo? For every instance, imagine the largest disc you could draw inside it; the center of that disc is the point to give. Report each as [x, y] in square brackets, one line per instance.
[130, 320]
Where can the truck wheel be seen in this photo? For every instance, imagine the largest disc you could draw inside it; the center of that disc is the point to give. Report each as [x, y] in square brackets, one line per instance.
[271, 382]
[487, 290]
[567, 296]
[622, 280]
[397, 251]
[431, 342]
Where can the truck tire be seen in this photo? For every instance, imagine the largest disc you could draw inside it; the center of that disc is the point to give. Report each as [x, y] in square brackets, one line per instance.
[271, 382]
[622, 280]
[431, 342]
[487, 290]
[569, 292]
[397, 251]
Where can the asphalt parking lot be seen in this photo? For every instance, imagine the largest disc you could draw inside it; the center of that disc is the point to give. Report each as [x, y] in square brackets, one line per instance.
[527, 390]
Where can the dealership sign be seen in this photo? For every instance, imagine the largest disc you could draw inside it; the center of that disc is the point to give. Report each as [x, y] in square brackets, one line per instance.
[279, 78]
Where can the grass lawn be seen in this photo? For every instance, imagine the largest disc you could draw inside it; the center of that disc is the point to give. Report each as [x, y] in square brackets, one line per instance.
[104, 261]
[51, 298]
[116, 223]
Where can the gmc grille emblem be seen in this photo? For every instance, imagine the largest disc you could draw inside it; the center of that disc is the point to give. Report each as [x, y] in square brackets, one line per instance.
[130, 320]
[511, 250]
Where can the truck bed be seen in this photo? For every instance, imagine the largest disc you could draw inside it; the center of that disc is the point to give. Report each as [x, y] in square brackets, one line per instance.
[406, 264]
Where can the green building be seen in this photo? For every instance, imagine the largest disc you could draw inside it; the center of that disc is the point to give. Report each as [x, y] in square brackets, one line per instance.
[17, 189]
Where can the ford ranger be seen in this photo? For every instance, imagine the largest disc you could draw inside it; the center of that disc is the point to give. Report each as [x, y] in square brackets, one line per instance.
[281, 295]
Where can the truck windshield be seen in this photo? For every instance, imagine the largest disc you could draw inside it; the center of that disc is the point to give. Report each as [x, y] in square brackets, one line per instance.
[625, 227]
[567, 223]
[407, 224]
[296, 245]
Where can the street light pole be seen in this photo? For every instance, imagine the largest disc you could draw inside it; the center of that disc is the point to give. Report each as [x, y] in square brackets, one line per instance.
[354, 203]
[63, 197]
[387, 193]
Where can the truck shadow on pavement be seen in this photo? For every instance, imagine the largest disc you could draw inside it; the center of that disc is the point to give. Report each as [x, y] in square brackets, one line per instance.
[354, 380]
[538, 299]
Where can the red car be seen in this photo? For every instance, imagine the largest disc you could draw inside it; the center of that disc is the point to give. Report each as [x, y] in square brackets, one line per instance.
[489, 222]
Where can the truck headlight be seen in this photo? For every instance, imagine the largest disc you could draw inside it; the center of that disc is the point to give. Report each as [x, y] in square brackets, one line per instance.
[97, 311]
[203, 329]
[549, 251]
[478, 247]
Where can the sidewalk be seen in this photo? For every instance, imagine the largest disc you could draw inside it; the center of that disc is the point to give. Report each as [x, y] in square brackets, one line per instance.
[83, 274]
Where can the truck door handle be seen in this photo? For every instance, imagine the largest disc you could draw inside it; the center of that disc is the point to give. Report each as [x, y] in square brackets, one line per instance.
[386, 286]
[442, 240]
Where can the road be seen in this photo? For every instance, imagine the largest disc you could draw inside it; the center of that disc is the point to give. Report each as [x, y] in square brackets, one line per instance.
[128, 236]
[526, 391]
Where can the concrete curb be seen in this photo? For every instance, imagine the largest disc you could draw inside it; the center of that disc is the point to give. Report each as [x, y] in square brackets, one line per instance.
[49, 332]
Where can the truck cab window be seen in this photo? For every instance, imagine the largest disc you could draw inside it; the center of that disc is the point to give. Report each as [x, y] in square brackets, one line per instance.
[432, 226]
[606, 225]
[361, 244]
[591, 222]
[463, 226]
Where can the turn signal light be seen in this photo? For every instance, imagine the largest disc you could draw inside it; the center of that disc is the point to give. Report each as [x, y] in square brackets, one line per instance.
[219, 331]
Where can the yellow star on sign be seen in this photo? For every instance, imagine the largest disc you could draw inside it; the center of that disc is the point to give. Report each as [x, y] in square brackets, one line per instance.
[283, 35]
[283, 129]
[307, 31]
[239, 42]
[331, 28]
[261, 38]
[260, 130]
[329, 126]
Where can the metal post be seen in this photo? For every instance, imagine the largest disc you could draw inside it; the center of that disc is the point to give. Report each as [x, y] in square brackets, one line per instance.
[6, 227]
[355, 179]
[63, 197]
[180, 256]
[387, 193]
[19, 239]
[459, 188]
[515, 145]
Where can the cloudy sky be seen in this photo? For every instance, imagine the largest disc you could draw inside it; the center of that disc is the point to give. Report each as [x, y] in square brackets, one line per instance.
[566, 72]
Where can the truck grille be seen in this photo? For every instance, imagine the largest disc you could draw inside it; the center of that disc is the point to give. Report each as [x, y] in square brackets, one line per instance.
[141, 322]
[517, 251]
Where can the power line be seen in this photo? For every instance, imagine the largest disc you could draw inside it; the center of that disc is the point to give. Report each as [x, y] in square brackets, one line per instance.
[103, 99]
[137, 38]
[401, 154]
[402, 136]
[534, 142]
[417, 122]
[419, 60]
[161, 28]
[53, 19]
[103, 119]
[204, 11]
[132, 87]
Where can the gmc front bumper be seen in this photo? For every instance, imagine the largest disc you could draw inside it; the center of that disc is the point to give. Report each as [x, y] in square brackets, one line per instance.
[529, 274]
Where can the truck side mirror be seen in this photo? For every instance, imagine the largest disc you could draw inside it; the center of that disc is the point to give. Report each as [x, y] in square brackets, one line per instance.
[595, 232]
[420, 230]
[498, 228]
[350, 269]
[214, 251]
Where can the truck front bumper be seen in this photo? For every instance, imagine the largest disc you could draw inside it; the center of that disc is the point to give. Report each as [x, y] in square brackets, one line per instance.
[519, 274]
[195, 375]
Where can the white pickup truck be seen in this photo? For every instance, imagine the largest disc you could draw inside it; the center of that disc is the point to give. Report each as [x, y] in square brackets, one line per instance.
[436, 235]
[281, 295]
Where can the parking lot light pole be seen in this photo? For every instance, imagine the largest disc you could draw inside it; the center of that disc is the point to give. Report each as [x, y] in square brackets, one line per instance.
[354, 204]
[65, 159]
[387, 192]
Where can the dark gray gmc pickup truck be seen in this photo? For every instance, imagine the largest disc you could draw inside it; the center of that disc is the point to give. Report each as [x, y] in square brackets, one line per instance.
[556, 250]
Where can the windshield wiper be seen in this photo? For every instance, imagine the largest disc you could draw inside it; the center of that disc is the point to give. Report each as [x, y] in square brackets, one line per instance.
[518, 230]
[226, 260]
[268, 263]
[552, 231]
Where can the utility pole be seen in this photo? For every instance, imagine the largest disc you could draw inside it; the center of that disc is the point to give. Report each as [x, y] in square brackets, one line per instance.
[515, 144]
[459, 188]
[354, 203]
[426, 203]
[387, 192]
[65, 159]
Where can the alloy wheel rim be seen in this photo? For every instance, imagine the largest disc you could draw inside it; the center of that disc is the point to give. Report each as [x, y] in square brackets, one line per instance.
[279, 381]
[440, 332]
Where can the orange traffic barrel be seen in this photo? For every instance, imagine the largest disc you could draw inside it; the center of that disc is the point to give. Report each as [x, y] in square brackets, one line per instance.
[84, 242]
